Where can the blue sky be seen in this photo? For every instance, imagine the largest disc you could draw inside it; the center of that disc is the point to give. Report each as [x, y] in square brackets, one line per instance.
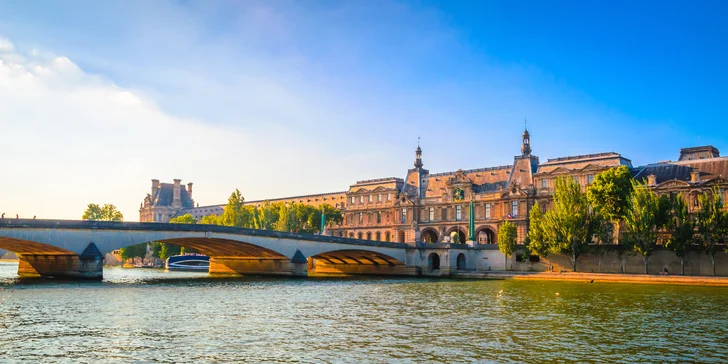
[282, 98]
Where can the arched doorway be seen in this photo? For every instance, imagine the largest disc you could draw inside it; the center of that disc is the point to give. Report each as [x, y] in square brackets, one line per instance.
[387, 237]
[401, 236]
[358, 236]
[369, 236]
[433, 261]
[429, 236]
[485, 236]
[457, 236]
[378, 236]
[461, 261]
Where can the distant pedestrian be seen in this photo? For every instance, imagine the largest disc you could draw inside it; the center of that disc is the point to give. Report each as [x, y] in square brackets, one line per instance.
[3, 216]
[664, 271]
[16, 216]
[33, 217]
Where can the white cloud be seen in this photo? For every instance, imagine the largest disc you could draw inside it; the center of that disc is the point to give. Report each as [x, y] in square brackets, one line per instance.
[71, 138]
[6, 45]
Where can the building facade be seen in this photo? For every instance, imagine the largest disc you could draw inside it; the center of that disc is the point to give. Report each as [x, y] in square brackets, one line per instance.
[435, 207]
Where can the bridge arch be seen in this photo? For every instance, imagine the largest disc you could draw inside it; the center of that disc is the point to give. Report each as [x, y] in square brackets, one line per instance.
[22, 246]
[356, 261]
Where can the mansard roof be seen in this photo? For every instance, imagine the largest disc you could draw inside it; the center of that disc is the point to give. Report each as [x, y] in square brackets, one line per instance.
[680, 170]
[164, 196]
[483, 179]
[578, 162]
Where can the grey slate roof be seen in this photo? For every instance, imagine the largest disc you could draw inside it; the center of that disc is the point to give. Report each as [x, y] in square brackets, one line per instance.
[165, 195]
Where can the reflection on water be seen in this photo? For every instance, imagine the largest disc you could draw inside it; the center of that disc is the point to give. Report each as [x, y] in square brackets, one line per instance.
[152, 315]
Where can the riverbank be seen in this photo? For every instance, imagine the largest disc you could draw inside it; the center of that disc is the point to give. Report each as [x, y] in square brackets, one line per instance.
[599, 277]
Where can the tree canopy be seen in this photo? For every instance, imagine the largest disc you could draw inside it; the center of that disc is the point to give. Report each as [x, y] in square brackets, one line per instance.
[507, 235]
[280, 216]
[681, 227]
[646, 215]
[537, 243]
[108, 212]
[711, 222]
[610, 192]
[184, 219]
[571, 224]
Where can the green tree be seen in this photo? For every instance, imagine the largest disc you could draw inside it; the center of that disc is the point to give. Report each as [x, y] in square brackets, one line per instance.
[266, 216]
[507, 235]
[537, 243]
[610, 193]
[681, 227]
[710, 221]
[184, 219]
[210, 220]
[604, 235]
[133, 251]
[108, 212]
[235, 213]
[646, 215]
[571, 224]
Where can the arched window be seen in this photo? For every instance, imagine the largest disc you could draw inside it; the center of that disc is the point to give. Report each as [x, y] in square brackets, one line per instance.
[351, 235]
[369, 236]
[378, 236]
[358, 235]
[387, 237]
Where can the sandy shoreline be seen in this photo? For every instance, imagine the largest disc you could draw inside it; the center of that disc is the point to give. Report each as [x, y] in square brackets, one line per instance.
[600, 277]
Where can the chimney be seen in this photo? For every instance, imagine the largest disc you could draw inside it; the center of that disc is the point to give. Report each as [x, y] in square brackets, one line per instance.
[651, 180]
[176, 191]
[189, 189]
[155, 186]
[695, 176]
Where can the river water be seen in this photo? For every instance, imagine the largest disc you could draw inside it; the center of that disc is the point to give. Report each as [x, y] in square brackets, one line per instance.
[148, 315]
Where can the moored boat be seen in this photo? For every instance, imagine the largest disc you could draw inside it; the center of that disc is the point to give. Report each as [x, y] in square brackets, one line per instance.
[188, 262]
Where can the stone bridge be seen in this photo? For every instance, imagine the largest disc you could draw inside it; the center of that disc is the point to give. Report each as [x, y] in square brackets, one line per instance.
[66, 248]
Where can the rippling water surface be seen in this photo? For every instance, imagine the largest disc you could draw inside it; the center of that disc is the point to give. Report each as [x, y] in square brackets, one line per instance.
[156, 316]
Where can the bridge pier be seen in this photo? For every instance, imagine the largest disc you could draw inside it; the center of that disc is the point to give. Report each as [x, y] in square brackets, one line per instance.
[60, 266]
[87, 265]
[321, 268]
[241, 266]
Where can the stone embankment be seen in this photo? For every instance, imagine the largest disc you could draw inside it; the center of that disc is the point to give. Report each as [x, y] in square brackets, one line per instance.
[598, 277]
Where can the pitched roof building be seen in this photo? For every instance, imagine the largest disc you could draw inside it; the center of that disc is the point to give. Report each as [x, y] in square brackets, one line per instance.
[425, 207]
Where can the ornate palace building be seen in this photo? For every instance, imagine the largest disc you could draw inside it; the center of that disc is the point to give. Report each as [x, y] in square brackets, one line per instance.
[425, 207]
